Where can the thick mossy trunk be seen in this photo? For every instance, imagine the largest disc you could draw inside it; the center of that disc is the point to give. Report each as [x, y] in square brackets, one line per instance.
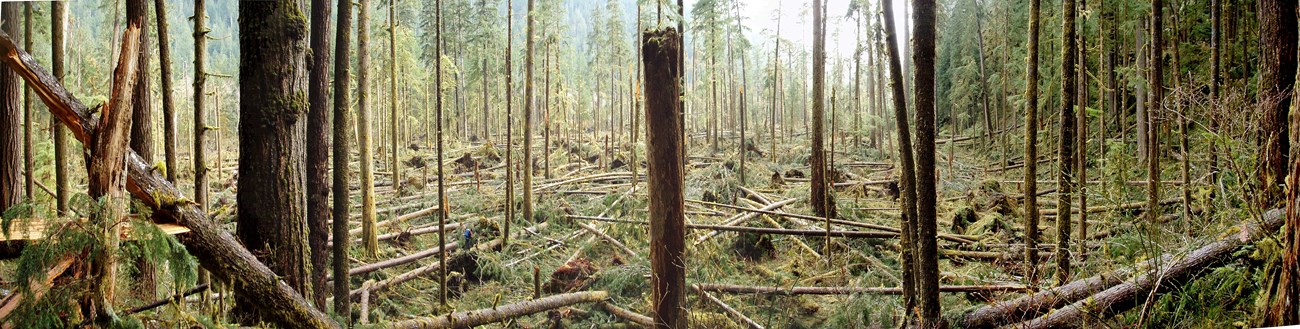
[272, 128]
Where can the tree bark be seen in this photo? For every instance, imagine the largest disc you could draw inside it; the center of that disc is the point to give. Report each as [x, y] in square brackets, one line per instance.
[29, 164]
[168, 105]
[341, 148]
[907, 170]
[926, 202]
[59, 40]
[318, 146]
[145, 282]
[442, 189]
[528, 115]
[216, 249]
[822, 202]
[104, 164]
[1277, 61]
[1065, 177]
[271, 137]
[11, 140]
[1031, 145]
[364, 138]
[659, 52]
[510, 121]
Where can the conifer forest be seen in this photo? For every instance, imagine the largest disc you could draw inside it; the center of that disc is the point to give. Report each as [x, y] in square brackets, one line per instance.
[663, 164]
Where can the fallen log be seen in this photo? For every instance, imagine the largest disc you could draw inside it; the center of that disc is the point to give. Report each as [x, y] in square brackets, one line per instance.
[412, 274]
[165, 301]
[1122, 206]
[944, 236]
[470, 319]
[742, 217]
[740, 317]
[759, 230]
[637, 318]
[216, 249]
[789, 291]
[1030, 306]
[1150, 284]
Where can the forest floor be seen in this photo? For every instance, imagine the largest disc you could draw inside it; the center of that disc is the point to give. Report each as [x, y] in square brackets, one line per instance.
[980, 215]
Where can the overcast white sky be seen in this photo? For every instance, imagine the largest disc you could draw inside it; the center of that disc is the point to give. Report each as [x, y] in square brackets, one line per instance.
[796, 22]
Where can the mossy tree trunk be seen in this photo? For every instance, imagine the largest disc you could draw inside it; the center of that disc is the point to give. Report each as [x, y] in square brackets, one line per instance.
[341, 148]
[364, 139]
[1031, 145]
[318, 146]
[272, 128]
[1277, 60]
[1066, 144]
[907, 168]
[927, 272]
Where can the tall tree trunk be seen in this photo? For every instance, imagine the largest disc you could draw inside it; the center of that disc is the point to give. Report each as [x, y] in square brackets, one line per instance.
[1277, 60]
[1031, 145]
[1065, 178]
[817, 161]
[168, 105]
[29, 164]
[341, 148]
[1156, 79]
[510, 121]
[59, 40]
[742, 145]
[665, 174]
[200, 35]
[907, 173]
[318, 145]
[442, 190]
[1082, 128]
[926, 193]
[776, 80]
[369, 234]
[1215, 58]
[271, 137]
[11, 140]
[393, 134]
[984, 80]
[528, 115]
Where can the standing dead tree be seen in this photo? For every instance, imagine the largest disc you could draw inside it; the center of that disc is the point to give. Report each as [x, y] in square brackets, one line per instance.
[659, 53]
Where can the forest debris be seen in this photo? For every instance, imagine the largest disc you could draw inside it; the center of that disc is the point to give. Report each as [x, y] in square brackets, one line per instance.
[625, 314]
[846, 290]
[742, 217]
[469, 319]
[753, 246]
[38, 288]
[571, 276]
[1161, 276]
[740, 317]
[1119, 297]
[466, 163]
[794, 173]
[215, 248]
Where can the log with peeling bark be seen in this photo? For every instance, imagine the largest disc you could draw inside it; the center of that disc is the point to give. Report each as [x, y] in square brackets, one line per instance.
[216, 249]
[1113, 290]
[763, 290]
[1150, 284]
[470, 319]
[38, 288]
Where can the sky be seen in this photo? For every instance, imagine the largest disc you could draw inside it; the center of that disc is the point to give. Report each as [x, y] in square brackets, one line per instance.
[796, 22]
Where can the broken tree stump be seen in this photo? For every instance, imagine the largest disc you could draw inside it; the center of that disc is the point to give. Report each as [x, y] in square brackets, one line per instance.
[660, 52]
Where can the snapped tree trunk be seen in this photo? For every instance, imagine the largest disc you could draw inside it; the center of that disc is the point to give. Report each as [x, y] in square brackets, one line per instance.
[659, 52]
[216, 249]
